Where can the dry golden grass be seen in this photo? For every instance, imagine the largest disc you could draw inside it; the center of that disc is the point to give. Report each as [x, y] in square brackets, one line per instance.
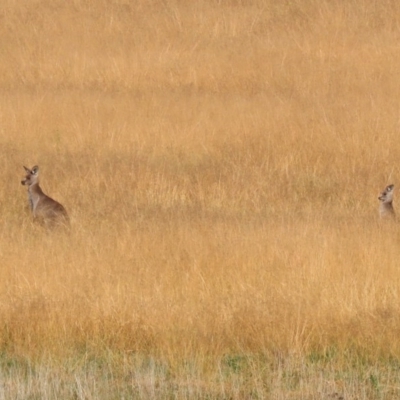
[221, 162]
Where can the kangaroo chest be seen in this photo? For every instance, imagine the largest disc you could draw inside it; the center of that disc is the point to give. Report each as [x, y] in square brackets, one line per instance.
[33, 198]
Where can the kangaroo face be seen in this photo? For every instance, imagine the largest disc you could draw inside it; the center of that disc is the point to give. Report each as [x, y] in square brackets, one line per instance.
[386, 196]
[32, 176]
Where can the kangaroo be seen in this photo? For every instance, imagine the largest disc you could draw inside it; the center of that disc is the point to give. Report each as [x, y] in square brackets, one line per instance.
[386, 209]
[43, 207]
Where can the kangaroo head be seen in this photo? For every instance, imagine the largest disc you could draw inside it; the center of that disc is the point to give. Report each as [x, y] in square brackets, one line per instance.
[32, 176]
[386, 196]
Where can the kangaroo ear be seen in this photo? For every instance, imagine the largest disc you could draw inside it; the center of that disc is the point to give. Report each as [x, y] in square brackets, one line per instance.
[35, 170]
[27, 169]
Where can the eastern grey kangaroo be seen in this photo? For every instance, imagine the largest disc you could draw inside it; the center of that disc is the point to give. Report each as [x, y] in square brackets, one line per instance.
[386, 209]
[43, 207]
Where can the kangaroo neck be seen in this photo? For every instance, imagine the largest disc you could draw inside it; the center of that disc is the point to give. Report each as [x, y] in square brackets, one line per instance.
[387, 209]
[35, 189]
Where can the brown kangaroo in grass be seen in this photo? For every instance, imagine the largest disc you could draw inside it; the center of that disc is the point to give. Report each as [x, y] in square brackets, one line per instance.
[386, 209]
[43, 207]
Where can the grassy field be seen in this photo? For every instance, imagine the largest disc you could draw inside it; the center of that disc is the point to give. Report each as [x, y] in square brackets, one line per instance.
[221, 163]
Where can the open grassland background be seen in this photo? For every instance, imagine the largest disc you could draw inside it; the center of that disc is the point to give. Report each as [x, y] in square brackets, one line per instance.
[221, 162]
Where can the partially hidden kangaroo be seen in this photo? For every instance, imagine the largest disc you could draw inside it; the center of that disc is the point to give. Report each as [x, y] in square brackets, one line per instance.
[386, 209]
[43, 207]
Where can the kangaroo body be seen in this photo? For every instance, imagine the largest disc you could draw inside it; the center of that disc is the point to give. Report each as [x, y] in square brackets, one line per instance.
[43, 207]
[386, 209]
